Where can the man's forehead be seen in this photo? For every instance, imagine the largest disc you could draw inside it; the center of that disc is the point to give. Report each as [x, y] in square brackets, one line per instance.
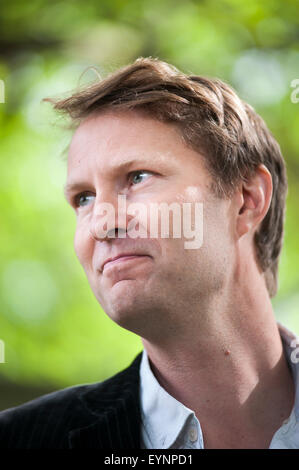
[109, 144]
[122, 137]
[108, 123]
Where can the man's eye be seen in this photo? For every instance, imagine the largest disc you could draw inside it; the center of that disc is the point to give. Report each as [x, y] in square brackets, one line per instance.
[83, 199]
[138, 176]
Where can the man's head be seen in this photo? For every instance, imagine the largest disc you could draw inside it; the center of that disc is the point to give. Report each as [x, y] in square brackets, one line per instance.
[197, 142]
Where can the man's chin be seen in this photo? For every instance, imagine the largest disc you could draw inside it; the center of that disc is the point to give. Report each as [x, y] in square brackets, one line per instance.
[121, 305]
[128, 306]
[126, 317]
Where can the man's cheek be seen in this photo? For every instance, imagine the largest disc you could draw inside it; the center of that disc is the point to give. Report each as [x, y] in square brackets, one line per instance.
[82, 246]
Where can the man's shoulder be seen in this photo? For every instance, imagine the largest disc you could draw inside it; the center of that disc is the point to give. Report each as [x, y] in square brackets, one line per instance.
[47, 420]
[44, 403]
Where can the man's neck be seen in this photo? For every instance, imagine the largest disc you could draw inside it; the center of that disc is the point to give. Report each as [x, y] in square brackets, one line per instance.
[230, 369]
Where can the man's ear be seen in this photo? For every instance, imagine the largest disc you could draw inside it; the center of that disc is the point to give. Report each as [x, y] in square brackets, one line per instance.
[254, 199]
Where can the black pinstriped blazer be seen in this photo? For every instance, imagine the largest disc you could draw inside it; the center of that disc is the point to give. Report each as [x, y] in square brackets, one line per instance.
[103, 415]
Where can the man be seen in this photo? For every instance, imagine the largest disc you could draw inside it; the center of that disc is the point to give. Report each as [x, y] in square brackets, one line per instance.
[217, 371]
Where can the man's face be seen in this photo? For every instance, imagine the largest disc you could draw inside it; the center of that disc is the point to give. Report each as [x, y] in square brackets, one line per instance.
[162, 282]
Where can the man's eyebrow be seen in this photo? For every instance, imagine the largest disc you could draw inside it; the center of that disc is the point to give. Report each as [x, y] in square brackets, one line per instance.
[77, 185]
[135, 160]
[71, 187]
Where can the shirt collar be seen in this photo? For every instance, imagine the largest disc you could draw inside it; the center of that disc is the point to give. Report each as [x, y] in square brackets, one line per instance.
[290, 343]
[163, 417]
[287, 436]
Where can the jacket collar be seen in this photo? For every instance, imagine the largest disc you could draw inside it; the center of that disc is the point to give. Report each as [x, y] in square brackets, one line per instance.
[115, 410]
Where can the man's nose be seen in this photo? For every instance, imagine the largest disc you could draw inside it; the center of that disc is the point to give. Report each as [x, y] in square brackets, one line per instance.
[109, 219]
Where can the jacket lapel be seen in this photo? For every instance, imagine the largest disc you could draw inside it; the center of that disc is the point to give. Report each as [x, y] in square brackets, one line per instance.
[114, 413]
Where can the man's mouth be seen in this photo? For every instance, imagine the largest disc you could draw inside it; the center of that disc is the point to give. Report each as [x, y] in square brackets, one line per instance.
[122, 259]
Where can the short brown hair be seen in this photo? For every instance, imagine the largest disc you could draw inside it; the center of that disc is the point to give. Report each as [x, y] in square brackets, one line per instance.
[212, 119]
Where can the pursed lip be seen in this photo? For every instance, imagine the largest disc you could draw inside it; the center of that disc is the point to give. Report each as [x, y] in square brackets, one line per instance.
[121, 256]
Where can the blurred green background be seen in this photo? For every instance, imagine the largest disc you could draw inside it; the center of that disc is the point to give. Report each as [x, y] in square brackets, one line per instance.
[54, 331]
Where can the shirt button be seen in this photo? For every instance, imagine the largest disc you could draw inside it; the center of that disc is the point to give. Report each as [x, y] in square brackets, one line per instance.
[193, 434]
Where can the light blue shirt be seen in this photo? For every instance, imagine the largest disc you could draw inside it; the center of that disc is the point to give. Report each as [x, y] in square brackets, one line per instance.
[168, 424]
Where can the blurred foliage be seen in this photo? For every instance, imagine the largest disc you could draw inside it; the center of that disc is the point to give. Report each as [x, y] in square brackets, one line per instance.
[53, 328]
